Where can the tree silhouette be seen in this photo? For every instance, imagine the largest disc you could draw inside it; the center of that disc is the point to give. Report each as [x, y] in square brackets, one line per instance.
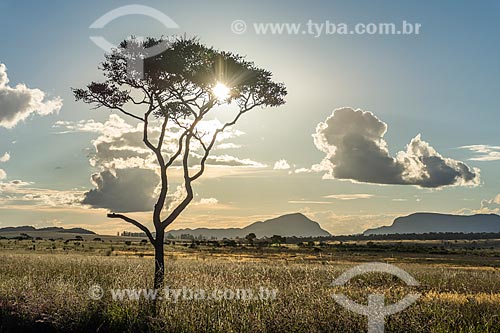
[277, 239]
[175, 91]
[250, 238]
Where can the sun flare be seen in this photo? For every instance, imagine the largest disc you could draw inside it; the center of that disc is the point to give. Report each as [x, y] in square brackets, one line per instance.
[221, 91]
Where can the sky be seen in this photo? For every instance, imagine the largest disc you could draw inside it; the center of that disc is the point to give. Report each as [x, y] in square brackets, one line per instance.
[375, 126]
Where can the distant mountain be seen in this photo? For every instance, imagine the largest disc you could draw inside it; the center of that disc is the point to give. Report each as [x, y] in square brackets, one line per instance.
[420, 223]
[287, 226]
[26, 229]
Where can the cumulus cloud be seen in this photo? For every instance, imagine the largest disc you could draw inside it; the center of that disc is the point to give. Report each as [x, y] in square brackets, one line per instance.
[128, 170]
[490, 206]
[353, 141]
[118, 146]
[19, 102]
[483, 152]
[281, 165]
[124, 190]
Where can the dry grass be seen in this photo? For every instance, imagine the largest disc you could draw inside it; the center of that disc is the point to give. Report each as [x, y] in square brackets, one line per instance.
[50, 292]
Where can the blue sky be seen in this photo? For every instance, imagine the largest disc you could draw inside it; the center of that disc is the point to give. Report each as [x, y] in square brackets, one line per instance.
[442, 84]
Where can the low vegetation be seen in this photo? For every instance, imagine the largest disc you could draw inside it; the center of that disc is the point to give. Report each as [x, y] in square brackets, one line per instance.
[44, 287]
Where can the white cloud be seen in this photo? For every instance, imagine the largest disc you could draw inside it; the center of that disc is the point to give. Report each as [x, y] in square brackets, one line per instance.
[22, 193]
[309, 202]
[228, 160]
[488, 206]
[349, 196]
[5, 158]
[19, 102]
[83, 125]
[343, 197]
[119, 145]
[484, 152]
[208, 201]
[176, 197]
[353, 141]
[491, 206]
[16, 183]
[281, 165]
[324, 165]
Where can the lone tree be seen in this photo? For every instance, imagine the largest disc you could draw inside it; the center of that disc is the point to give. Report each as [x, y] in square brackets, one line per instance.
[174, 92]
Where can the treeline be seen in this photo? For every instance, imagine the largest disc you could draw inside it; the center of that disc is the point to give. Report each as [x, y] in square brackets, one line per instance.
[424, 236]
[344, 238]
[276, 239]
[414, 236]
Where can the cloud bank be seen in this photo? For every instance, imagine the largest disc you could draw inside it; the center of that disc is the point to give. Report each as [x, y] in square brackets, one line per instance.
[353, 141]
[19, 102]
[124, 190]
[128, 172]
[120, 145]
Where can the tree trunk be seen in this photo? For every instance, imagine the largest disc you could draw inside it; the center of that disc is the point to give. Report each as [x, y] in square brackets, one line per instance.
[159, 260]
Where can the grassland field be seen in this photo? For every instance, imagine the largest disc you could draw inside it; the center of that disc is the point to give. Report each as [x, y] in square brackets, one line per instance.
[44, 286]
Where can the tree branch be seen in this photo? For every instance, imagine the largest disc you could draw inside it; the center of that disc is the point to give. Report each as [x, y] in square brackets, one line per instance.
[160, 203]
[208, 148]
[187, 184]
[134, 222]
[203, 111]
[185, 163]
[116, 107]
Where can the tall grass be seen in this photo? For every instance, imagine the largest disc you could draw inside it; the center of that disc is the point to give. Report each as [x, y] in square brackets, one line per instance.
[41, 292]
